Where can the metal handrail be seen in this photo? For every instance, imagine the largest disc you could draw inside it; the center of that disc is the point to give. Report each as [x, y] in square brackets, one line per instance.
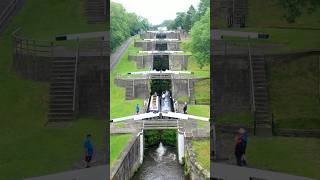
[7, 11]
[253, 108]
[75, 78]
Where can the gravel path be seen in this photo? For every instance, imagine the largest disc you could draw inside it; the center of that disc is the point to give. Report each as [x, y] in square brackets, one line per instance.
[115, 57]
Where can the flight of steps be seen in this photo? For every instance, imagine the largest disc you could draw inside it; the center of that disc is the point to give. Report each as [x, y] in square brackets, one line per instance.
[262, 115]
[96, 11]
[62, 90]
[130, 90]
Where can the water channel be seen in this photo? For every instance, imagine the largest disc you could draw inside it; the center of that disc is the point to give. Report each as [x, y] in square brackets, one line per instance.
[160, 163]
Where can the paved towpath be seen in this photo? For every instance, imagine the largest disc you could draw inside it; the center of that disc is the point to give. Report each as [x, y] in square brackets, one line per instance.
[92, 173]
[115, 57]
[230, 172]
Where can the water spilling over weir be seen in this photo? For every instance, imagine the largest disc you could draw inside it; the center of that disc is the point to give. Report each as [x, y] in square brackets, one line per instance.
[160, 163]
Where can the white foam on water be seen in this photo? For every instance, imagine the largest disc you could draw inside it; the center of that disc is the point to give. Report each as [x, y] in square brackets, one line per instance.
[161, 150]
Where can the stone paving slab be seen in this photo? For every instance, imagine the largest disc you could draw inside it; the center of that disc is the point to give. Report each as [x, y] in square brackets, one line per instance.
[92, 173]
[230, 172]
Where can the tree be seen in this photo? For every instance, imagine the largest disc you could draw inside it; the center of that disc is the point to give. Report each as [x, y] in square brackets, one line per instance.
[203, 6]
[124, 24]
[180, 19]
[295, 8]
[199, 43]
[190, 18]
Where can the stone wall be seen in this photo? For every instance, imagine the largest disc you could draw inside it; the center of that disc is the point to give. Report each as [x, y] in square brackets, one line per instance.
[178, 62]
[32, 67]
[231, 84]
[179, 88]
[151, 45]
[92, 94]
[141, 87]
[152, 35]
[142, 61]
[128, 162]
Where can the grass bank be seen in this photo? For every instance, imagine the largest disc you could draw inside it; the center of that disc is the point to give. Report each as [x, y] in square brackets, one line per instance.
[27, 147]
[294, 93]
[297, 156]
[202, 150]
[120, 107]
[117, 144]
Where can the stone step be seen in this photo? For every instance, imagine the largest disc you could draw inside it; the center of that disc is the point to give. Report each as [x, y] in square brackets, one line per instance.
[54, 105]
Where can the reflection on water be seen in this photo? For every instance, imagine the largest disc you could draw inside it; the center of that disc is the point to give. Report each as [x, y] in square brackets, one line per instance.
[160, 163]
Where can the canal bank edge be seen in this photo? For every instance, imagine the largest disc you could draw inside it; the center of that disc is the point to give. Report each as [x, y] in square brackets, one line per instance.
[129, 161]
[191, 166]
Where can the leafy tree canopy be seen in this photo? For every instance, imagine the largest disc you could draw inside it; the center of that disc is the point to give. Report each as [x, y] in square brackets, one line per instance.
[124, 24]
[199, 43]
[295, 8]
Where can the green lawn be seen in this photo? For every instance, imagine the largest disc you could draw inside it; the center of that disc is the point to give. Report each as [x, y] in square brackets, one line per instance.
[120, 107]
[117, 145]
[299, 156]
[290, 39]
[260, 20]
[202, 150]
[199, 110]
[237, 118]
[194, 67]
[294, 93]
[259, 16]
[27, 147]
[202, 91]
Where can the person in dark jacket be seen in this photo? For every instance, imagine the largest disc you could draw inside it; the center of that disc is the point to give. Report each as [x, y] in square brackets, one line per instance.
[185, 108]
[137, 108]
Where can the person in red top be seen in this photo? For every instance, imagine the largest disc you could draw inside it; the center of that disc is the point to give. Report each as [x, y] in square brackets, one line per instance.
[240, 147]
[237, 149]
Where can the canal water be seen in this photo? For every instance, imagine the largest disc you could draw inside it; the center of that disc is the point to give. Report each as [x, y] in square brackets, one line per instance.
[160, 163]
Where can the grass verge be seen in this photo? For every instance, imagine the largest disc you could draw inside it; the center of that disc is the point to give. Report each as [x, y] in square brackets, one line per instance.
[27, 147]
[202, 150]
[294, 93]
[297, 156]
[117, 144]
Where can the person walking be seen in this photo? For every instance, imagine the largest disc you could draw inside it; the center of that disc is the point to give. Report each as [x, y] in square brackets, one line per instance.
[137, 108]
[176, 106]
[88, 150]
[185, 108]
[244, 141]
[240, 147]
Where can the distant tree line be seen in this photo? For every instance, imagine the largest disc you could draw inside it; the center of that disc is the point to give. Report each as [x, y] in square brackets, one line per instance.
[124, 24]
[186, 20]
[196, 21]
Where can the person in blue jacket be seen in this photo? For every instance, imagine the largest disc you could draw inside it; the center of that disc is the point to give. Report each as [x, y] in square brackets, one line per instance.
[137, 109]
[88, 150]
